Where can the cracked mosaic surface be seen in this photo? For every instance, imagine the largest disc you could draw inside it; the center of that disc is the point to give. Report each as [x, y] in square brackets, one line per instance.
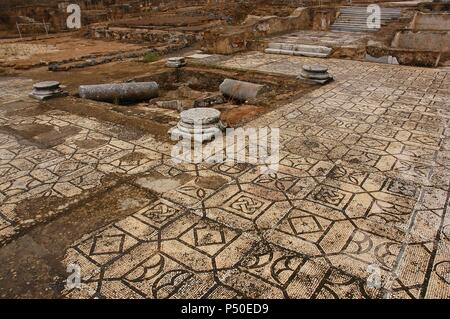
[363, 183]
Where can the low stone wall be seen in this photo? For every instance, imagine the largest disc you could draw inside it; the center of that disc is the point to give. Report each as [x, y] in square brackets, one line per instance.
[422, 40]
[323, 18]
[132, 35]
[431, 21]
[407, 56]
[54, 11]
[235, 39]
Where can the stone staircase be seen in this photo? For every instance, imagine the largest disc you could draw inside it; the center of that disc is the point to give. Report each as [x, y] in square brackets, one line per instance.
[315, 51]
[354, 19]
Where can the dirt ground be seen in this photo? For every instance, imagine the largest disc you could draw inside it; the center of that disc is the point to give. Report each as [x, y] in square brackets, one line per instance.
[31, 53]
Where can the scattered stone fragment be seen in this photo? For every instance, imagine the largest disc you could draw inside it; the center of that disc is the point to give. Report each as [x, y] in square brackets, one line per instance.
[172, 105]
[315, 74]
[209, 100]
[47, 90]
[198, 124]
[53, 66]
[315, 51]
[91, 62]
[176, 62]
[240, 90]
[199, 56]
[120, 92]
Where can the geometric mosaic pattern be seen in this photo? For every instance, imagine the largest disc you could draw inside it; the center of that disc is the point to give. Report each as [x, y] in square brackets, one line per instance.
[362, 187]
[67, 170]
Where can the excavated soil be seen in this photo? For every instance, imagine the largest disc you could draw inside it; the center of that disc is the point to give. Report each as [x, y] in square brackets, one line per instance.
[185, 84]
[23, 55]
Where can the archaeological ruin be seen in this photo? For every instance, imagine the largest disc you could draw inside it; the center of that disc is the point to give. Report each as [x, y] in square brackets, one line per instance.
[212, 149]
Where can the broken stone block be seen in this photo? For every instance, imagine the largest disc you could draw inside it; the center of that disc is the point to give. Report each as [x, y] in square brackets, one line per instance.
[315, 74]
[299, 50]
[120, 92]
[199, 56]
[198, 124]
[208, 101]
[240, 90]
[47, 90]
[176, 62]
[172, 105]
[53, 66]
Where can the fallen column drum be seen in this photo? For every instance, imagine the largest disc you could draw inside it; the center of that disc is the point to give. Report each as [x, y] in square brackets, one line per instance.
[120, 92]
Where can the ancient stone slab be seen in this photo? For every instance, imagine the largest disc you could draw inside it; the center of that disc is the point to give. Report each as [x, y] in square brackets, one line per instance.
[199, 56]
[209, 100]
[176, 62]
[299, 50]
[172, 105]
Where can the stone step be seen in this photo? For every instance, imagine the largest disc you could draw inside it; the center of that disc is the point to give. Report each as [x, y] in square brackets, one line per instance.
[364, 9]
[364, 26]
[390, 16]
[296, 53]
[364, 17]
[383, 12]
[354, 19]
[367, 12]
[360, 19]
[361, 26]
[359, 13]
[354, 23]
[300, 47]
[351, 26]
[346, 29]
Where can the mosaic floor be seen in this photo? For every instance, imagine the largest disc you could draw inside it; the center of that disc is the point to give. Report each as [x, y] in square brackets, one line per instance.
[357, 209]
